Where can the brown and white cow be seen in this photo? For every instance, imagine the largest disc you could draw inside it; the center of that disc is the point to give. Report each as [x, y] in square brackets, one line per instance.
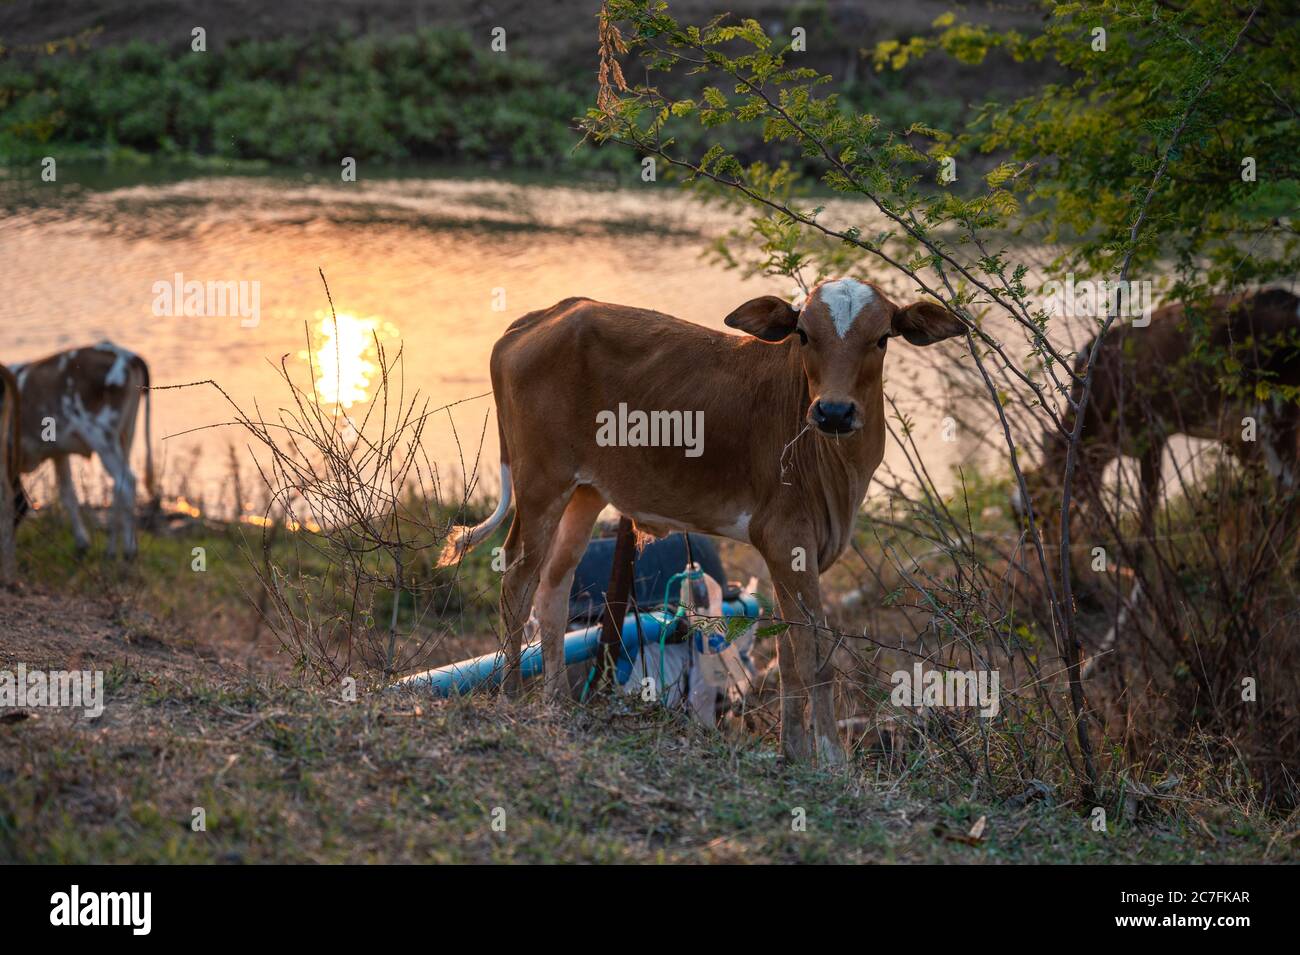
[84, 401]
[1163, 379]
[793, 429]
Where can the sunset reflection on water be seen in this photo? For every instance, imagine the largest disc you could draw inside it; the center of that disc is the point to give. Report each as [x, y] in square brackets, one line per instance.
[346, 363]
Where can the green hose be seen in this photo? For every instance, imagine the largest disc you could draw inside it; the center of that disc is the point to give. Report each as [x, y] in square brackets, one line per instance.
[663, 630]
[681, 611]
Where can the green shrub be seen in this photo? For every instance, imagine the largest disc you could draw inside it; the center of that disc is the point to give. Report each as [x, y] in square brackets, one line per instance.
[309, 101]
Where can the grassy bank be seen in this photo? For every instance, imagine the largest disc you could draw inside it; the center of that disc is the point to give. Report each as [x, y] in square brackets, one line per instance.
[164, 590]
[285, 775]
[203, 712]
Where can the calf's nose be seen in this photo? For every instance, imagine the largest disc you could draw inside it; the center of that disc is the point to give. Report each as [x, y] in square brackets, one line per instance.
[833, 416]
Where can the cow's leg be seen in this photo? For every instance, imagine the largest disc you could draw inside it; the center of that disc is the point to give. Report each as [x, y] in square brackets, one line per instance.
[812, 655]
[817, 667]
[552, 600]
[108, 445]
[527, 545]
[798, 595]
[8, 518]
[1280, 450]
[1280, 437]
[1149, 498]
[125, 498]
[68, 497]
[123, 519]
[795, 745]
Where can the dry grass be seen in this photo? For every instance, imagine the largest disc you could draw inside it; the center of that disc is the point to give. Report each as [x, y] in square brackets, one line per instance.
[291, 774]
[200, 714]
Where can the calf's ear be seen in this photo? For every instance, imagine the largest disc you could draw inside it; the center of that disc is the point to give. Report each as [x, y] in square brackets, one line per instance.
[769, 318]
[924, 323]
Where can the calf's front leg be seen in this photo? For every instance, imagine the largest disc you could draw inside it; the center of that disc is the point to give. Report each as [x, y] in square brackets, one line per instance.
[810, 643]
[68, 496]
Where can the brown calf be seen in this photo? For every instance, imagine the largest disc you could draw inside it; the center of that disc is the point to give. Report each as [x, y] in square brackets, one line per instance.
[1153, 382]
[721, 449]
[85, 401]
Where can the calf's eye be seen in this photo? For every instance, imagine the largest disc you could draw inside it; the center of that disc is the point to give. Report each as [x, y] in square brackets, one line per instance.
[884, 340]
[803, 336]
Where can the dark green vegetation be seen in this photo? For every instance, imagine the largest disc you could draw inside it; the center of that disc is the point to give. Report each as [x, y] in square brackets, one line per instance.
[1130, 149]
[432, 96]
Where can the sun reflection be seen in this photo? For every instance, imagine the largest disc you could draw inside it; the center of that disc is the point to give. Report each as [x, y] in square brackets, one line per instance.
[346, 362]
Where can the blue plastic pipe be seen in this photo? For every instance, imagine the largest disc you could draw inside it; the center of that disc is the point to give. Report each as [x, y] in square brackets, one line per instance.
[579, 645]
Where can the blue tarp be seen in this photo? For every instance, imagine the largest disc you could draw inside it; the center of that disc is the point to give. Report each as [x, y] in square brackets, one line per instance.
[654, 565]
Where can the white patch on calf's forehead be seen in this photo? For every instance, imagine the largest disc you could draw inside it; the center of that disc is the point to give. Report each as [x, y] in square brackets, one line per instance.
[844, 298]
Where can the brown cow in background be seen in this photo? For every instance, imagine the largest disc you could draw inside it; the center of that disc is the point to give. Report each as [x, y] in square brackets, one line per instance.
[1164, 379]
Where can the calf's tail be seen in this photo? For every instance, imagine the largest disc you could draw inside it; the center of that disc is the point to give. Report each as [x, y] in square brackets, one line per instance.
[148, 428]
[464, 539]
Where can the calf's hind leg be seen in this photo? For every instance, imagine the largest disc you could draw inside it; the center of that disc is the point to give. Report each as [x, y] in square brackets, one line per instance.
[552, 600]
[527, 546]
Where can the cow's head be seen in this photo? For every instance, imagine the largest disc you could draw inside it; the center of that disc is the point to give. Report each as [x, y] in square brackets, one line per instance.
[844, 328]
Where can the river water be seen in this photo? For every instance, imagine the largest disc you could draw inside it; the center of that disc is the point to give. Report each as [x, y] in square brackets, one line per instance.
[437, 264]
